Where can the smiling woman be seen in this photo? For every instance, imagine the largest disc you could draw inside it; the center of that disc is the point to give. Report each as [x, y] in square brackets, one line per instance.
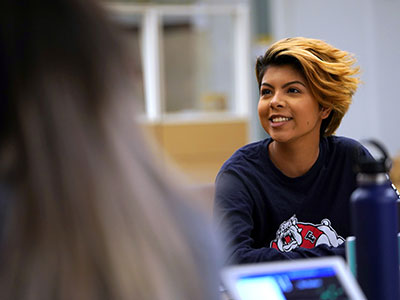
[287, 108]
[287, 196]
[291, 115]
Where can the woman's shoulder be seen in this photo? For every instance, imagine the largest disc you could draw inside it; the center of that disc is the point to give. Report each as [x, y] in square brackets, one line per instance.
[253, 148]
[345, 146]
[247, 154]
[343, 143]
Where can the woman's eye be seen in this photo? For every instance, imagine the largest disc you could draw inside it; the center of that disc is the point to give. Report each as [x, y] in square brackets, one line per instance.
[293, 90]
[265, 92]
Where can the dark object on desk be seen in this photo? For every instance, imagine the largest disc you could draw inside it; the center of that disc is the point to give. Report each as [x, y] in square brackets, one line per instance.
[375, 212]
[398, 215]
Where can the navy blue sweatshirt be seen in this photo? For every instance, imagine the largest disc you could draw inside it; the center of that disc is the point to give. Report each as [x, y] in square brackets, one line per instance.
[269, 216]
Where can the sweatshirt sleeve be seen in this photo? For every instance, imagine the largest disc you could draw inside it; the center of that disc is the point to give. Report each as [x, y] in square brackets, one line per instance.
[233, 210]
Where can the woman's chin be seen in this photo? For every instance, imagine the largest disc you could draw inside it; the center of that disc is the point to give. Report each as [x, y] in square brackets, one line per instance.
[280, 138]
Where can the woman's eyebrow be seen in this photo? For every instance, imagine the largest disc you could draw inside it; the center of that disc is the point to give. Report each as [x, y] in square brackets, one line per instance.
[266, 84]
[293, 82]
[285, 85]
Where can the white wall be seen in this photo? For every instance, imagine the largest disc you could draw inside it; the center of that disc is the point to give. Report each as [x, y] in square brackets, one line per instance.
[370, 29]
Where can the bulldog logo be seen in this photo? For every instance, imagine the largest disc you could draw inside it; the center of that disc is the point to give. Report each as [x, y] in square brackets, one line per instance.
[292, 234]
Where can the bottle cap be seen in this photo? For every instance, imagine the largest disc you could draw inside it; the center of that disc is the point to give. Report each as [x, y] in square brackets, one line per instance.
[369, 165]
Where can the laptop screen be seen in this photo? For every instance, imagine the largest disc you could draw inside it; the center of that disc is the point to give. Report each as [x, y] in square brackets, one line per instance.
[302, 279]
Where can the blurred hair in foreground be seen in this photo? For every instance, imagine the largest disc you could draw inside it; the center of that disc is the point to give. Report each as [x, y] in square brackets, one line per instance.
[86, 212]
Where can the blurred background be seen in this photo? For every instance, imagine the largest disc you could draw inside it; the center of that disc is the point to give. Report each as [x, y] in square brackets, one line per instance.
[197, 87]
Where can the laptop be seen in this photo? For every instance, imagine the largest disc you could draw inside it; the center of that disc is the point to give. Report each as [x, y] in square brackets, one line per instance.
[314, 278]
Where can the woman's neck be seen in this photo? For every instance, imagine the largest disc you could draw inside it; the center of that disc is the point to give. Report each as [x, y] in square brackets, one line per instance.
[293, 160]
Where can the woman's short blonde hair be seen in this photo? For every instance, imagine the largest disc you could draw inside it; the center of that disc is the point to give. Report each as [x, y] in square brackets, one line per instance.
[328, 71]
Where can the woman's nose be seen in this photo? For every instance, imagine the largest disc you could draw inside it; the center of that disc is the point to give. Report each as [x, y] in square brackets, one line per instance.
[277, 101]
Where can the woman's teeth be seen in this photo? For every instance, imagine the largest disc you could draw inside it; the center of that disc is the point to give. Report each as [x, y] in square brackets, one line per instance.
[280, 119]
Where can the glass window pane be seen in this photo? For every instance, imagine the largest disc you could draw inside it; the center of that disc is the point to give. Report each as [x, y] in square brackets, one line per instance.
[198, 62]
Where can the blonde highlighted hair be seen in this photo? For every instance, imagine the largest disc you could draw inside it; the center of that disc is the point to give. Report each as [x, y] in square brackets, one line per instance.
[329, 72]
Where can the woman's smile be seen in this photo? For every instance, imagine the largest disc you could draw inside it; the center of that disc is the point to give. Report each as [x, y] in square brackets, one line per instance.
[277, 121]
[287, 109]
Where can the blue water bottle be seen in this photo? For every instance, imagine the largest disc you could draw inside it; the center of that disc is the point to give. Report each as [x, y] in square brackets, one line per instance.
[374, 217]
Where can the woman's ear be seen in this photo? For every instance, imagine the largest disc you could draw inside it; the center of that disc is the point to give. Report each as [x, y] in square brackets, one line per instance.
[325, 111]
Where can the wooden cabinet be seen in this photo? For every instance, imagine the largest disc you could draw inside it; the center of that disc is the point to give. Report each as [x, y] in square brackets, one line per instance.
[199, 148]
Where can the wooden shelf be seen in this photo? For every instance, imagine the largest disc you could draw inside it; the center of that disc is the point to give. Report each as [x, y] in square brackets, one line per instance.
[197, 147]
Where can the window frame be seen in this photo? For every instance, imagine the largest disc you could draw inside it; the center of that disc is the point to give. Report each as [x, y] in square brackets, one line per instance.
[152, 43]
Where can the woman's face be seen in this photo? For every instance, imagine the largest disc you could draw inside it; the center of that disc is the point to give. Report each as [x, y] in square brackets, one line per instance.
[287, 110]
